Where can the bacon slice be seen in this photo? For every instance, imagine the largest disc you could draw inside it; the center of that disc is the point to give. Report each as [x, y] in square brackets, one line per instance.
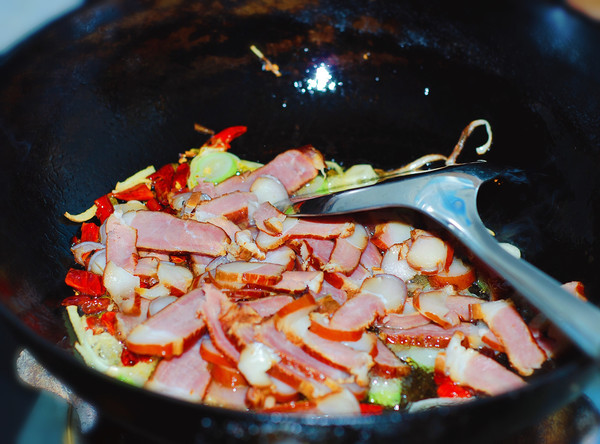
[147, 268]
[389, 233]
[228, 397]
[283, 255]
[314, 252]
[297, 282]
[460, 275]
[428, 254]
[432, 304]
[171, 330]
[402, 321]
[338, 354]
[233, 206]
[371, 257]
[293, 355]
[185, 377]
[257, 273]
[378, 295]
[294, 228]
[268, 306]
[387, 363]
[293, 168]
[512, 331]
[125, 323]
[269, 219]
[215, 306]
[161, 231]
[430, 335]
[468, 367]
[394, 262]
[121, 244]
[347, 251]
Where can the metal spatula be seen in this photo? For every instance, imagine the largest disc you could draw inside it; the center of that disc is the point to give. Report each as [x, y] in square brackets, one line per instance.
[449, 195]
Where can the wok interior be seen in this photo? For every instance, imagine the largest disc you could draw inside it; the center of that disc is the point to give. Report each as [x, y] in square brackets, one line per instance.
[127, 89]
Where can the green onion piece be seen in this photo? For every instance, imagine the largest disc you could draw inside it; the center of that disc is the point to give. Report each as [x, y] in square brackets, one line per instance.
[212, 167]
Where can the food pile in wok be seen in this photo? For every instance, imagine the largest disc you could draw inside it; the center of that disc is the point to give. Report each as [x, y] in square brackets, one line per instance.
[192, 281]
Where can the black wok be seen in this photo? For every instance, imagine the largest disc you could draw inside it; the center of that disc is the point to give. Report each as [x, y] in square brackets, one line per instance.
[117, 86]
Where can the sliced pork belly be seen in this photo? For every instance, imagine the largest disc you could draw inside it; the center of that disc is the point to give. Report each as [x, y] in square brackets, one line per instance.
[394, 262]
[349, 283]
[283, 255]
[430, 335]
[216, 305]
[347, 251]
[121, 244]
[163, 232]
[338, 354]
[293, 168]
[269, 305]
[314, 252]
[468, 367]
[294, 228]
[185, 377]
[358, 313]
[147, 268]
[172, 329]
[402, 321]
[297, 282]
[200, 262]
[428, 254]
[371, 257]
[432, 304]
[244, 248]
[511, 330]
[390, 233]
[338, 295]
[224, 224]
[378, 295]
[257, 273]
[126, 323]
[269, 219]
[387, 363]
[233, 206]
[294, 355]
[228, 397]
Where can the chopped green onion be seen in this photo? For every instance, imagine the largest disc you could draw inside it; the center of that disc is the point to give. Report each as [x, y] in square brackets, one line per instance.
[212, 167]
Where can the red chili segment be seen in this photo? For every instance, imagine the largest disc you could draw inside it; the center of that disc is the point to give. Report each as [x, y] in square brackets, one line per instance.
[85, 282]
[162, 181]
[181, 176]
[104, 208]
[137, 192]
[227, 135]
[90, 232]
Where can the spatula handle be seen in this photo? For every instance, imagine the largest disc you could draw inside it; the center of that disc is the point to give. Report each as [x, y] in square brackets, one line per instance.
[577, 319]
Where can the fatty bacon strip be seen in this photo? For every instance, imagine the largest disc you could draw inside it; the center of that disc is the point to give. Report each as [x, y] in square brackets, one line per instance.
[246, 307]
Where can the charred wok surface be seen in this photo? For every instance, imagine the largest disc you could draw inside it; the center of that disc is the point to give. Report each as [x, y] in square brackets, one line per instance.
[119, 86]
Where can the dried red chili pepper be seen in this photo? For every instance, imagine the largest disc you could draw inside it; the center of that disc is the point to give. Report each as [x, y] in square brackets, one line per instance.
[181, 176]
[85, 282]
[108, 320]
[90, 232]
[136, 192]
[154, 205]
[370, 409]
[162, 180]
[447, 388]
[95, 305]
[77, 299]
[129, 358]
[226, 136]
[104, 208]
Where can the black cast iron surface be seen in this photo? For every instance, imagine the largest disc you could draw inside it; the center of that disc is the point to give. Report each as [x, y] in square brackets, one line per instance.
[117, 86]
